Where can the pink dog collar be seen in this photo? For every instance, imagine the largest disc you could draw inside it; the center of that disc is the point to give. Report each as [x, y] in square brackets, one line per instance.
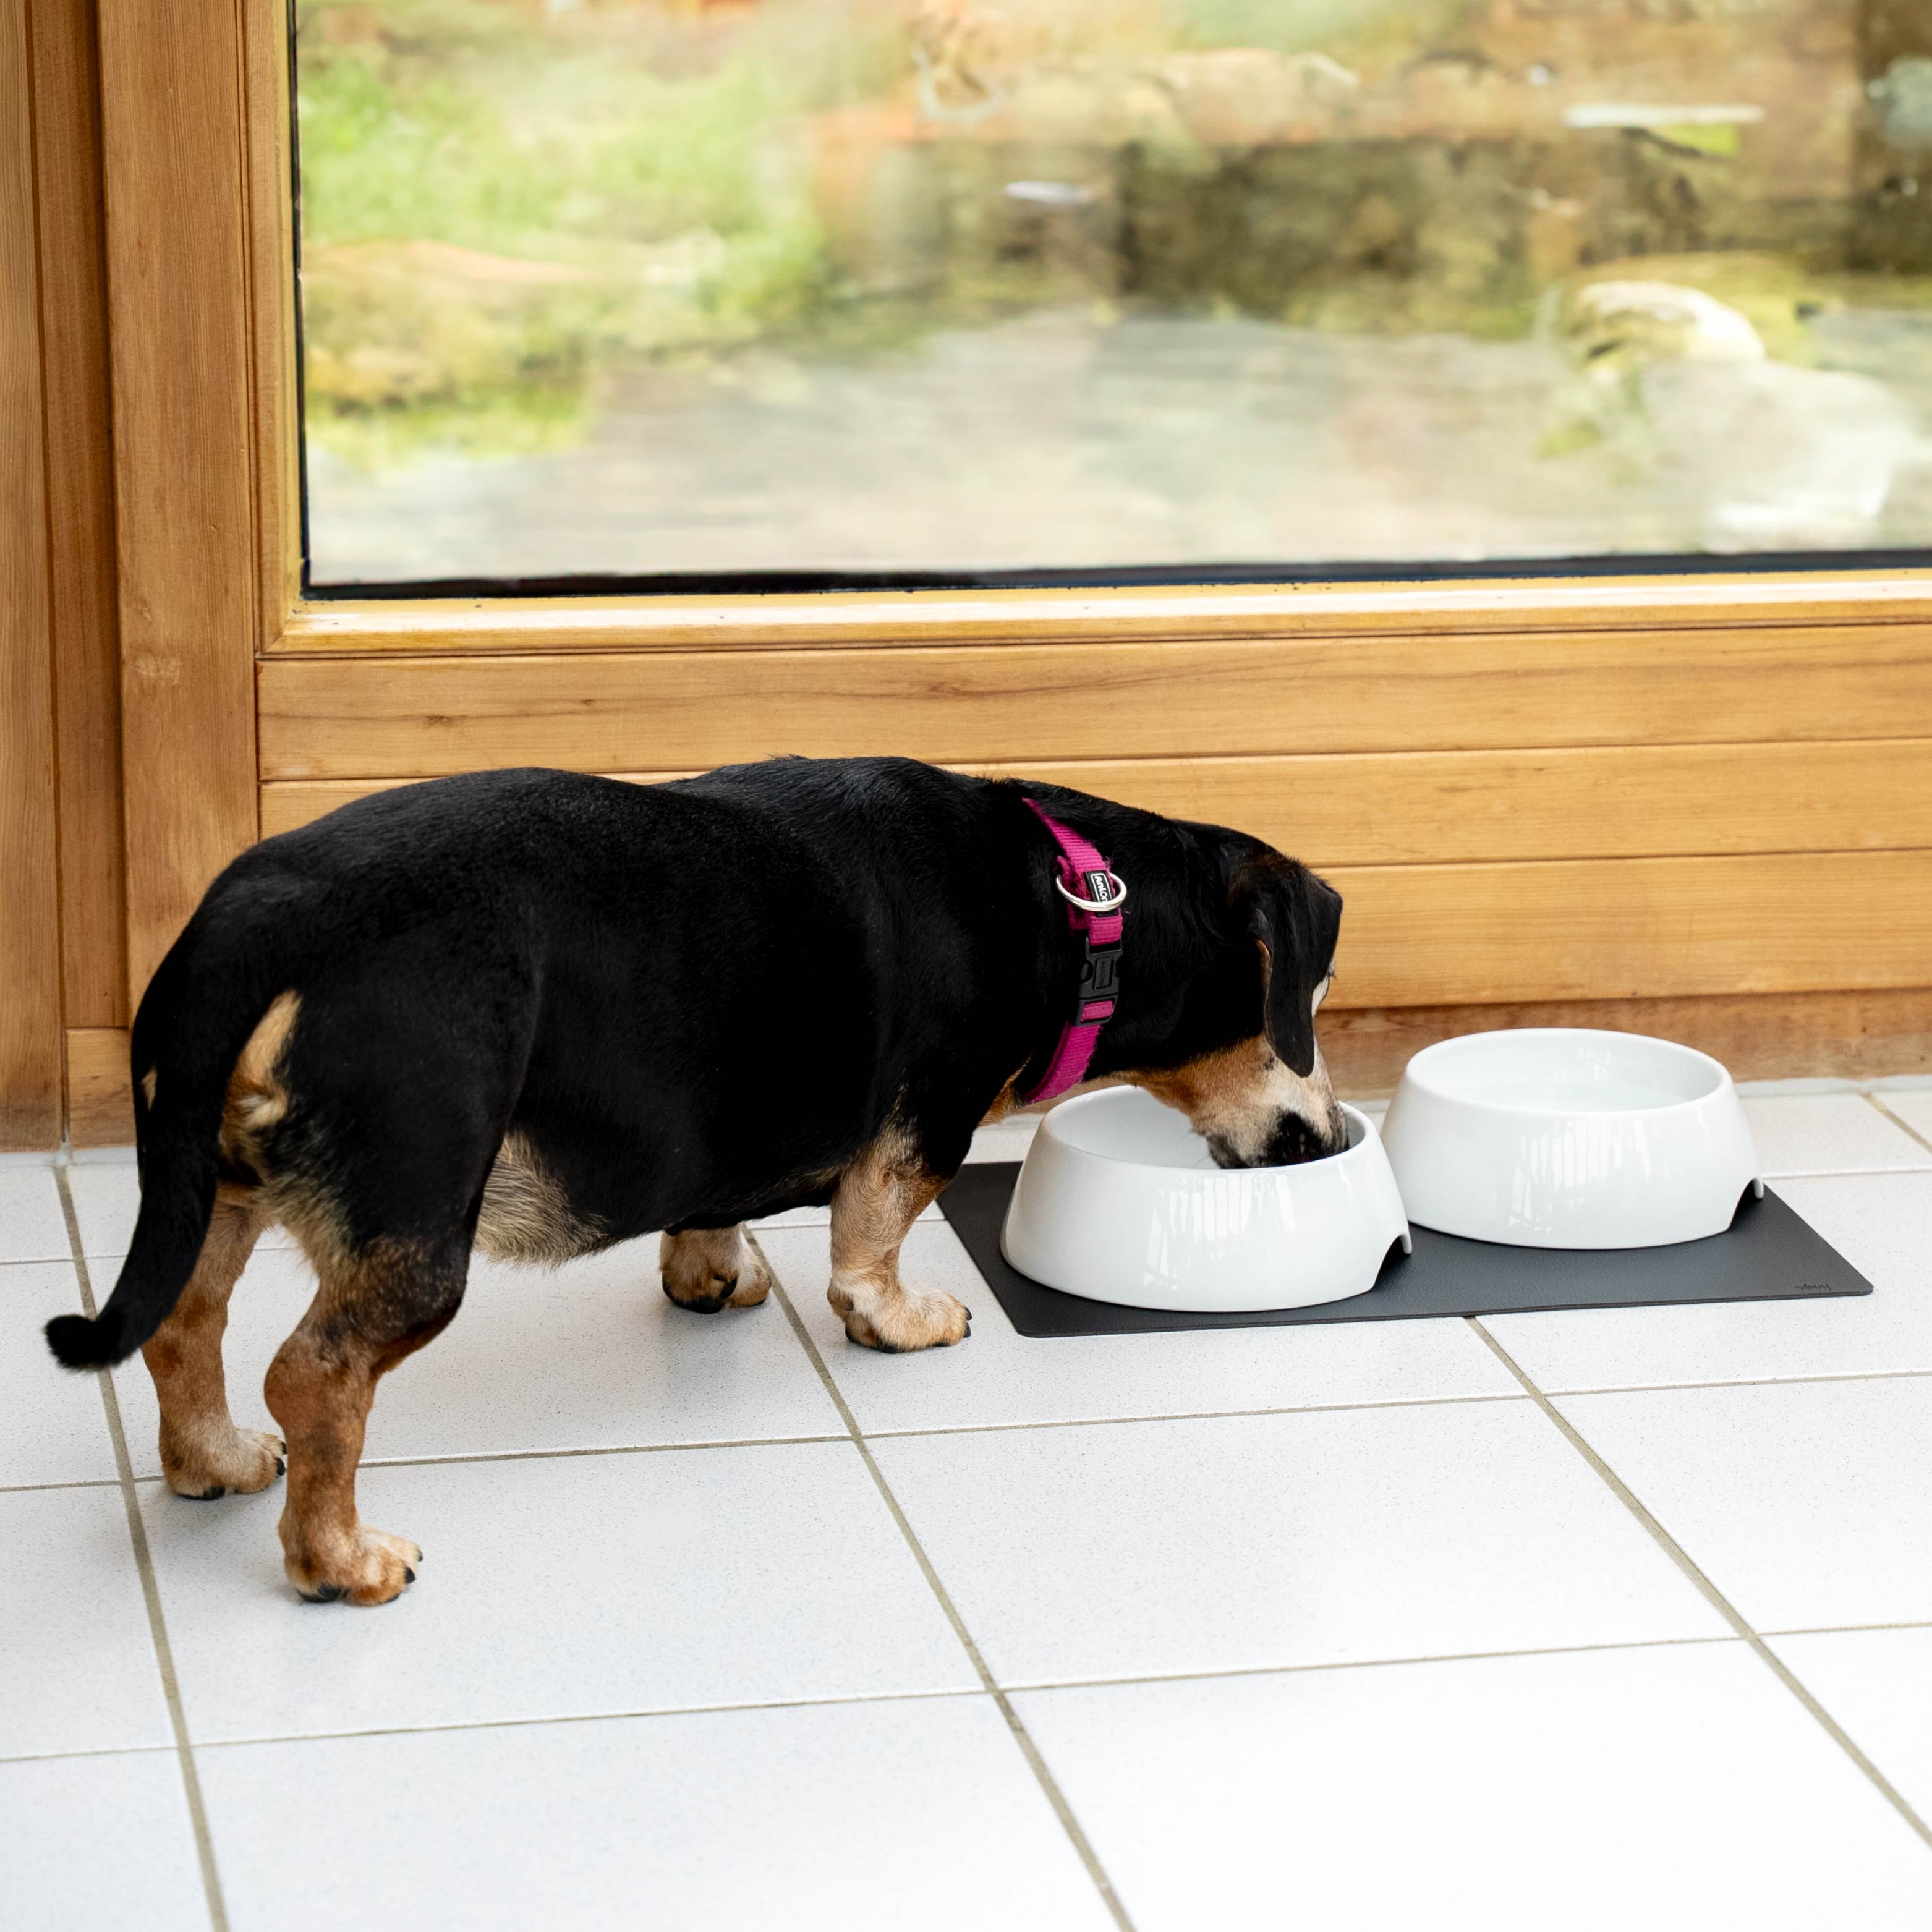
[1094, 897]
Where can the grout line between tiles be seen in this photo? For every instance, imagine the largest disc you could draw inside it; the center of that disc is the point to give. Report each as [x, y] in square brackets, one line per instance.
[81, 1483]
[1708, 1590]
[783, 1441]
[151, 1594]
[1192, 1415]
[1052, 1422]
[1360, 1664]
[958, 1429]
[95, 1751]
[1848, 1629]
[599, 1449]
[644, 1713]
[1742, 1382]
[1899, 1121]
[1036, 1762]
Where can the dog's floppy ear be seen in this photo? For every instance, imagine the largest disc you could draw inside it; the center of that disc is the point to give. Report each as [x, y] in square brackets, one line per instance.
[1297, 918]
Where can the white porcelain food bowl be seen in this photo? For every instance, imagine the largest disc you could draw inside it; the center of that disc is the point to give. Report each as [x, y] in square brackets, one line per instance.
[1119, 1200]
[1558, 1137]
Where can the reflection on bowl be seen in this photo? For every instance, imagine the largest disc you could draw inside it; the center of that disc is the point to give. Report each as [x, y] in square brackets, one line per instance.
[1119, 1200]
[1565, 1138]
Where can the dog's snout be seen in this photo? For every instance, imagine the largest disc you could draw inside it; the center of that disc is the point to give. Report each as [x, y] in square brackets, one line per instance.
[1293, 1140]
[1296, 1139]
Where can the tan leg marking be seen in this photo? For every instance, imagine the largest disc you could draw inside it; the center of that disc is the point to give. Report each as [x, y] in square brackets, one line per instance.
[203, 1454]
[256, 1098]
[257, 1103]
[709, 1268]
[320, 1388]
[879, 1196]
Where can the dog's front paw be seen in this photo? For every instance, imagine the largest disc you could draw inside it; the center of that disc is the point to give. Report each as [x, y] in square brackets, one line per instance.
[365, 1566]
[900, 1323]
[221, 1462]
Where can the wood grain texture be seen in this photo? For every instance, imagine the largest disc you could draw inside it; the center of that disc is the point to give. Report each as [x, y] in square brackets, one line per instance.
[1368, 808]
[1862, 1036]
[80, 508]
[1633, 929]
[177, 281]
[30, 1014]
[100, 1102]
[327, 718]
[1412, 610]
[1605, 802]
[267, 126]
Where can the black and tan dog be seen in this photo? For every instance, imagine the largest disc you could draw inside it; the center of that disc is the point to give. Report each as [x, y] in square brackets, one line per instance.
[537, 1014]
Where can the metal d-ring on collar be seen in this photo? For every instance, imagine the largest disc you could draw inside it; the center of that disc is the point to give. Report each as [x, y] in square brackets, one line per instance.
[1117, 893]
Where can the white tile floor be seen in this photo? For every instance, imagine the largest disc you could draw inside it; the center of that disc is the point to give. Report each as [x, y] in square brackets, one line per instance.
[726, 1624]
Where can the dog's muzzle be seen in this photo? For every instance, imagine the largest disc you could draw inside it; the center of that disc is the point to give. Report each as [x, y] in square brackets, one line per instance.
[1294, 1141]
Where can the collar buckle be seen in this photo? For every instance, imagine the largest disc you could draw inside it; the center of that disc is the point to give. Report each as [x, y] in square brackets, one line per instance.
[1100, 978]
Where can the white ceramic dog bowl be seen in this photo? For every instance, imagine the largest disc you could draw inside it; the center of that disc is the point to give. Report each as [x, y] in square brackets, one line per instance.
[1119, 1200]
[1555, 1137]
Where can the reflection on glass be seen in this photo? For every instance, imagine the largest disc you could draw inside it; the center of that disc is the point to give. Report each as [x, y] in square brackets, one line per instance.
[727, 286]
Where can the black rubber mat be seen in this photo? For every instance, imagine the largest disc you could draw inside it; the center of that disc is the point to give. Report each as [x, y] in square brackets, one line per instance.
[1768, 1254]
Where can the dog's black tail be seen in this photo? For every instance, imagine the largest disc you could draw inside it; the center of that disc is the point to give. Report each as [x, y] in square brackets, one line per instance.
[239, 953]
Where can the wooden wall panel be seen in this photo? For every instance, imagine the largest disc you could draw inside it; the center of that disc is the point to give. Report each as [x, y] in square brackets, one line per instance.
[1613, 801]
[183, 389]
[1759, 1036]
[1368, 808]
[1630, 928]
[99, 1100]
[80, 505]
[1620, 833]
[332, 718]
[30, 1016]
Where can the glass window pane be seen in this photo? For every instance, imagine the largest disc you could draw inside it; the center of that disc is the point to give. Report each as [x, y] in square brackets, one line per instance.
[932, 288]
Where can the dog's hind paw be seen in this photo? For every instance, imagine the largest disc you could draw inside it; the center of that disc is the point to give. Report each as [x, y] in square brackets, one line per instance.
[706, 1269]
[225, 1461]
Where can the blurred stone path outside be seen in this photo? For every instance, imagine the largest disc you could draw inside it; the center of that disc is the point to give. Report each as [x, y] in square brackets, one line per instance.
[1070, 439]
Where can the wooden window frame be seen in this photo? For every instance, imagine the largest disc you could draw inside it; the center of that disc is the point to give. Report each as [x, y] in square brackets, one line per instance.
[244, 705]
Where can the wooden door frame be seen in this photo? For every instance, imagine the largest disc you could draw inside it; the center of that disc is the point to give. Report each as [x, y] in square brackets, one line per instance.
[30, 951]
[197, 164]
[63, 967]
